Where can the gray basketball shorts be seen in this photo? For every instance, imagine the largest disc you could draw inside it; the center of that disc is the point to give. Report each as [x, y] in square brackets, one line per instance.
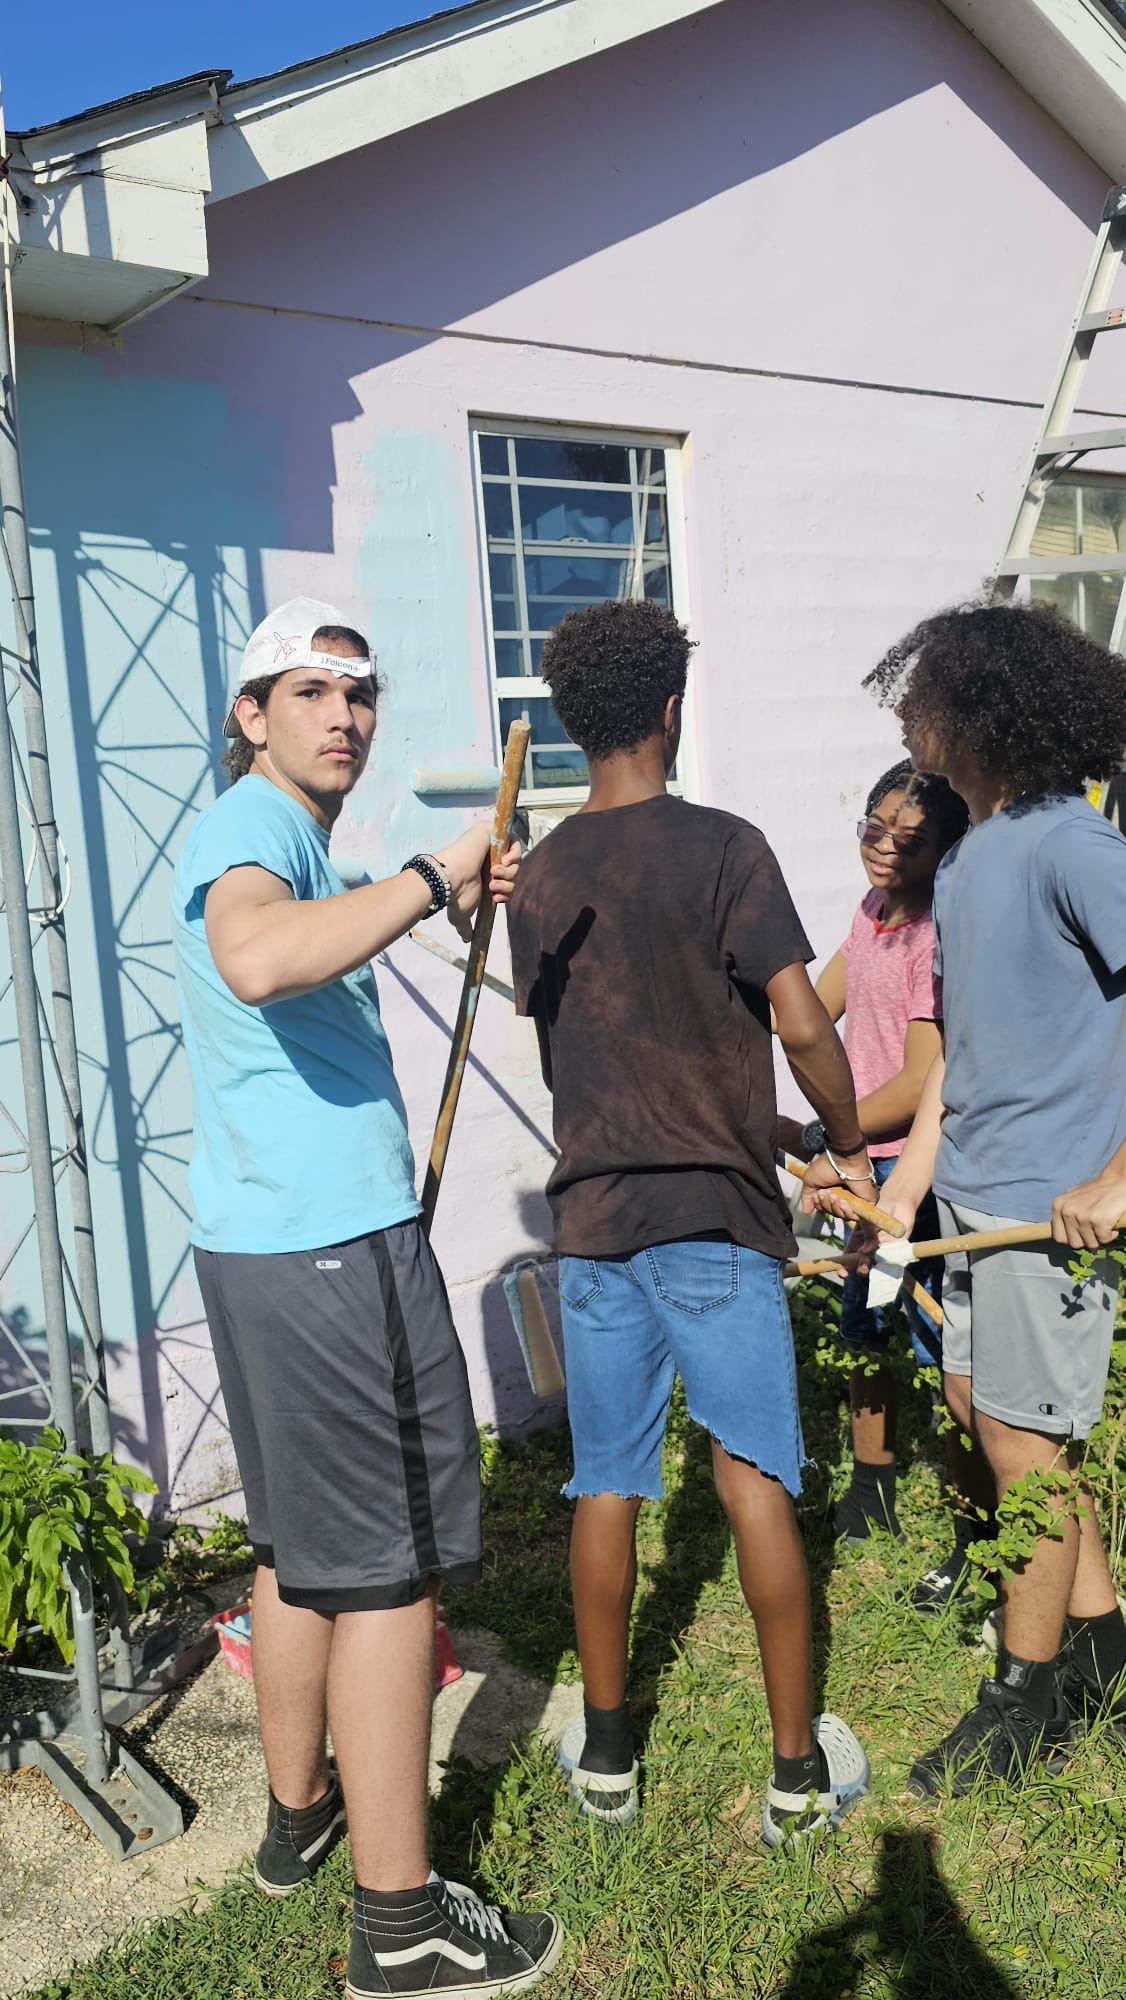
[1035, 1345]
[348, 1401]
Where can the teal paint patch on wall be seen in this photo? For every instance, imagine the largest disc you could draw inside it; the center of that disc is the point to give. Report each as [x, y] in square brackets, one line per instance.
[151, 504]
[424, 594]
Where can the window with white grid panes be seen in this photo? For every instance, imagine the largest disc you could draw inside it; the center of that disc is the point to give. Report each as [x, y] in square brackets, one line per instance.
[1085, 515]
[565, 521]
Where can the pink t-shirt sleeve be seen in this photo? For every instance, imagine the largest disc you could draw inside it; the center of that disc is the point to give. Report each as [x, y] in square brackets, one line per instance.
[924, 985]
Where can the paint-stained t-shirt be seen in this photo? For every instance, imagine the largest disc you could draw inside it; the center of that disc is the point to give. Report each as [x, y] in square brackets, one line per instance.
[1030, 924]
[642, 941]
[890, 981]
[300, 1135]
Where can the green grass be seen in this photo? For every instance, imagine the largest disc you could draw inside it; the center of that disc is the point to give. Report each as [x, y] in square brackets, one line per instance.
[989, 1896]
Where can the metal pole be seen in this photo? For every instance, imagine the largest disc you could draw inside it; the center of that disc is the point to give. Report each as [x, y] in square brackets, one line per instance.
[13, 526]
[26, 998]
[63, 1413]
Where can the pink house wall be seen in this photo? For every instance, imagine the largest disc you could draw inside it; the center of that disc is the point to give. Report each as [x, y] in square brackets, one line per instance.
[834, 250]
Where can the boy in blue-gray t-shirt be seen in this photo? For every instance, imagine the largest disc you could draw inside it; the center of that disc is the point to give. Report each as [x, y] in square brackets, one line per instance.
[1022, 1119]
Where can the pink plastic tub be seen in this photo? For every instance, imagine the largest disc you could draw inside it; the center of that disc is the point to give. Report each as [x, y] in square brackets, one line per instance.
[232, 1629]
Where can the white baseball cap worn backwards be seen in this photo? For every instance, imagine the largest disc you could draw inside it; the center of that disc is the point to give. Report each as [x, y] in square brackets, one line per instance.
[284, 641]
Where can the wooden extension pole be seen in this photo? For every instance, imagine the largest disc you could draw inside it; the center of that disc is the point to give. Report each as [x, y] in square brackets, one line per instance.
[515, 751]
[937, 1246]
[866, 1211]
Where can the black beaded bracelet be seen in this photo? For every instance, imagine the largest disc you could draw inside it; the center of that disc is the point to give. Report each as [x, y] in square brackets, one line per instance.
[435, 878]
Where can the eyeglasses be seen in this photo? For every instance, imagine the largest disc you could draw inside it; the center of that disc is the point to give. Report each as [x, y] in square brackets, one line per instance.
[870, 833]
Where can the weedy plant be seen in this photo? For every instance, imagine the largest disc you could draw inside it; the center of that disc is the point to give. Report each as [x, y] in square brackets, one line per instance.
[52, 1503]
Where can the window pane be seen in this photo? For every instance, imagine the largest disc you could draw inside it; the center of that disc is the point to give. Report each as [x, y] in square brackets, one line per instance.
[498, 512]
[563, 458]
[594, 526]
[505, 603]
[566, 514]
[1088, 601]
[502, 576]
[650, 466]
[656, 526]
[494, 454]
[509, 656]
[552, 757]
[1081, 519]
[555, 583]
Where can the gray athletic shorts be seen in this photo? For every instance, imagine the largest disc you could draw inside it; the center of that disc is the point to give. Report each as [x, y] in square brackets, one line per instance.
[348, 1402]
[1035, 1346]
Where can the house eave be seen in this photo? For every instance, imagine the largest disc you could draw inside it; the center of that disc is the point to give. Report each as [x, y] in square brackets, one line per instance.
[1070, 56]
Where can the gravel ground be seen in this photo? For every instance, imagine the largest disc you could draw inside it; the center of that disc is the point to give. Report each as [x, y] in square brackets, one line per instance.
[61, 1896]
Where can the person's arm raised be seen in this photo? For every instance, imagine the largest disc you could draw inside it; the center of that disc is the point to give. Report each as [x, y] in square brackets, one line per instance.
[820, 1069]
[268, 946]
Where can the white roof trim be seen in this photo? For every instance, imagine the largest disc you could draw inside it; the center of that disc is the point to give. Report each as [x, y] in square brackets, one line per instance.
[299, 118]
[122, 190]
[1070, 56]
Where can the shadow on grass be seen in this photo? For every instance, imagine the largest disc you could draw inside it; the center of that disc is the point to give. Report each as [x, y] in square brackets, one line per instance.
[911, 1927]
[525, 1595]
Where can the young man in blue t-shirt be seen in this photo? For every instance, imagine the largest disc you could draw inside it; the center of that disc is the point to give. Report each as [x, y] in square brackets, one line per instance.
[345, 1386]
[1024, 1117]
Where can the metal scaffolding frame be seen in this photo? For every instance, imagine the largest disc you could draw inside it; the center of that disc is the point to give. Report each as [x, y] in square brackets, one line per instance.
[71, 1735]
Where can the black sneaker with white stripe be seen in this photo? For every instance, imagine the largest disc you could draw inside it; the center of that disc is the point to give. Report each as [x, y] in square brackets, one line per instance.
[444, 1939]
[298, 1839]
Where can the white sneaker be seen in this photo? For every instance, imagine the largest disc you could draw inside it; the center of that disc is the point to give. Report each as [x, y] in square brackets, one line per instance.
[788, 1817]
[608, 1796]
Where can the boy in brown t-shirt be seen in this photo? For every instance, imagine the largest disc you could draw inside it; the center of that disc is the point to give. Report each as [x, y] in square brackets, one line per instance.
[650, 939]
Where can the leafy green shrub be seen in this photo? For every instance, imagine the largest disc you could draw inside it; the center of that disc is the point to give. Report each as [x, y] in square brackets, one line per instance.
[52, 1501]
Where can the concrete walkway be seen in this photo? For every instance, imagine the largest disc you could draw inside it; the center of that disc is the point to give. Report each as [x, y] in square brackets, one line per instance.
[62, 1898]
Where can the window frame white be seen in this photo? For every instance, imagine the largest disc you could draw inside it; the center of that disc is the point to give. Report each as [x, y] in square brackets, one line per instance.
[516, 687]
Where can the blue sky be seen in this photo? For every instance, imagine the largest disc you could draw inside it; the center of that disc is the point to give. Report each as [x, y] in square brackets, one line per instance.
[77, 54]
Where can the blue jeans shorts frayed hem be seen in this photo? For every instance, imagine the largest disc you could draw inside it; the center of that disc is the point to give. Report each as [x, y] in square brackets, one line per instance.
[702, 1307]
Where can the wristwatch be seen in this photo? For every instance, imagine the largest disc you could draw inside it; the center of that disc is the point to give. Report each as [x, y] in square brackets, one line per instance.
[814, 1137]
[435, 878]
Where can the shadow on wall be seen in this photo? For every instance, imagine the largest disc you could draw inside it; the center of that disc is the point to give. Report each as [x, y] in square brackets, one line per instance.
[154, 498]
[509, 191]
[25, 1402]
[148, 580]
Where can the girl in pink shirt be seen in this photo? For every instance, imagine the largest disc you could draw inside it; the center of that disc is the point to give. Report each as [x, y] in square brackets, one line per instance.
[882, 980]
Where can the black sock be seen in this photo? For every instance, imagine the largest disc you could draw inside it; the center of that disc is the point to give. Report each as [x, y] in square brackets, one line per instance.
[870, 1499]
[308, 1819]
[802, 1775]
[968, 1528]
[1031, 1682]
[609, 1741]
[875, 1483]
[404, 1916]
[1098, 1647]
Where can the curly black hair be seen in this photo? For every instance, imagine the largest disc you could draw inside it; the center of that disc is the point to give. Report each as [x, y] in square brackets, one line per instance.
[948, 814]
[611, 669]
[1033, 700]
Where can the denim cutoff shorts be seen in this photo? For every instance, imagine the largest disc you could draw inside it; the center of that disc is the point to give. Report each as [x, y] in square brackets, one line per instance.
[704, 1308]
[861, 1327]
